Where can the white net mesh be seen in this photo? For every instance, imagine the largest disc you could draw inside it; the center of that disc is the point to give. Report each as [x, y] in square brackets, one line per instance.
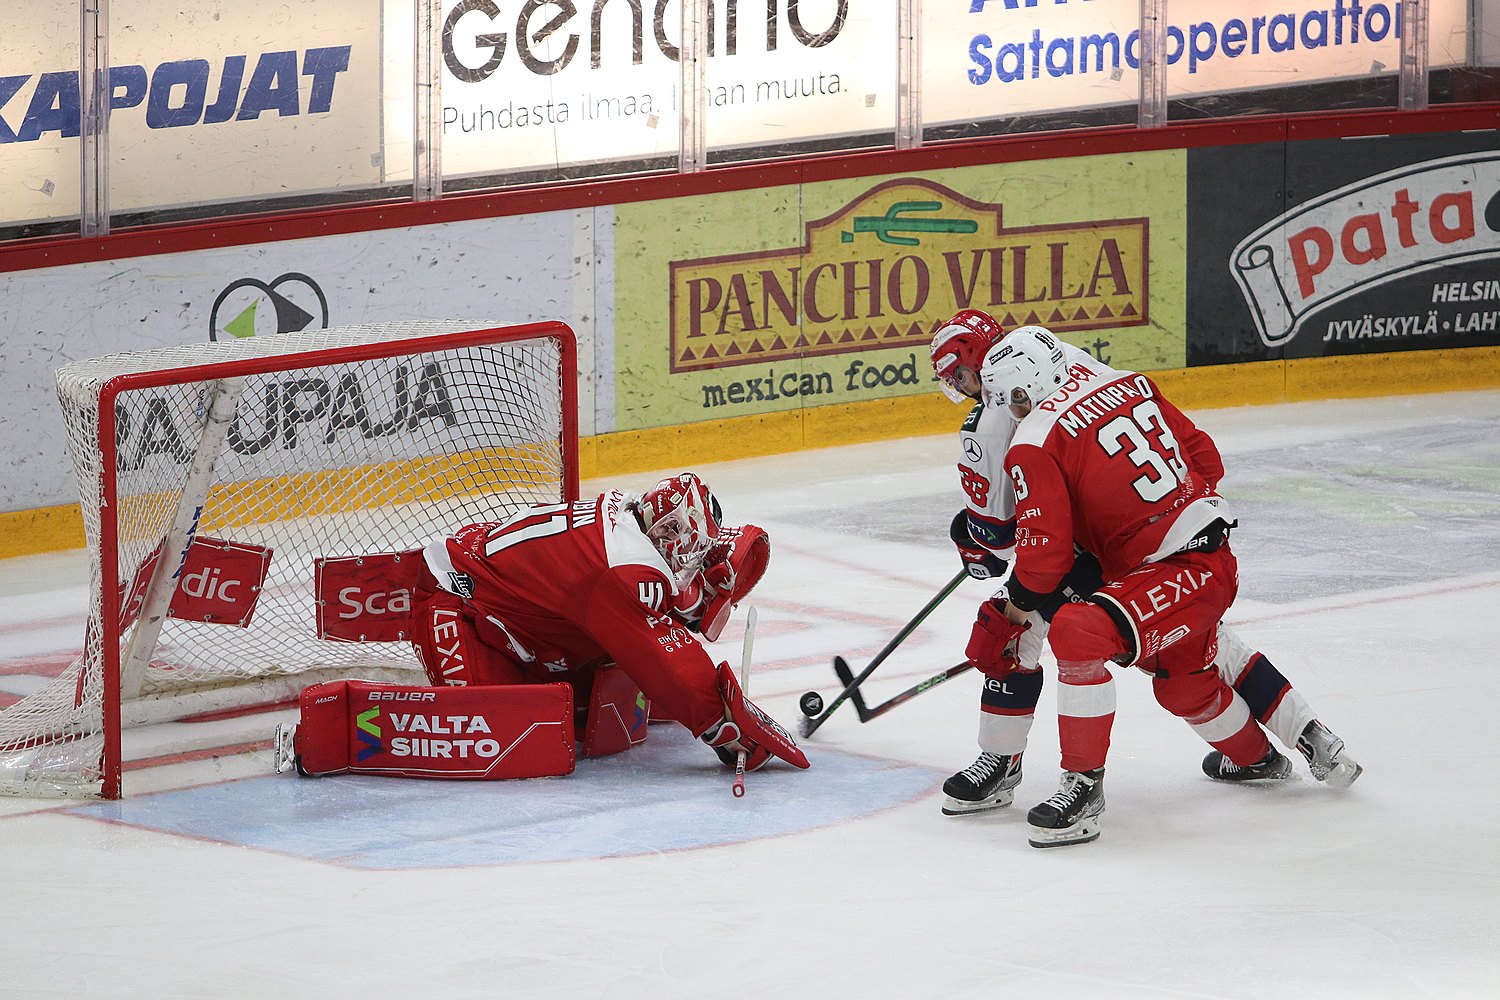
[337, 458]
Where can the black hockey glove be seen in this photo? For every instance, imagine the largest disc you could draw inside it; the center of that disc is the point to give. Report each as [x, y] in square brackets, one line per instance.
[981, 563]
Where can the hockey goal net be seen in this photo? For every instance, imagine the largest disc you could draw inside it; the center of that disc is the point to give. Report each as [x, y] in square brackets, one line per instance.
[221, 482]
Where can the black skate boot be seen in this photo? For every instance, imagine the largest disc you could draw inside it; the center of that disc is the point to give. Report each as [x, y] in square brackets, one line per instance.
[1326, 757]
[988, 783]
[1071, 815]
[1273, 766]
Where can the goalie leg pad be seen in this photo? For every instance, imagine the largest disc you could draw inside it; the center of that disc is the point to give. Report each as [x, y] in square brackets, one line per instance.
[479, 733]
[618, 713]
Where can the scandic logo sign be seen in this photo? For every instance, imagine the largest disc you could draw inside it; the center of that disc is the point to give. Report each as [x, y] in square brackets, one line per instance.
[885, 269]
[1419, 218]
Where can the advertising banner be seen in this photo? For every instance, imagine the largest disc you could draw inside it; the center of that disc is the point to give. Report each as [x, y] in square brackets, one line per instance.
[514, 269]
[998, 58]
[754, 302]
[547, 85]
[1375, 244]
[209, 103]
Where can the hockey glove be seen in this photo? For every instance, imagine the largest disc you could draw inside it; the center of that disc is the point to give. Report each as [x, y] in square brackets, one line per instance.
[745, 727]
[994, 645]
[734, 565]
[981, 563]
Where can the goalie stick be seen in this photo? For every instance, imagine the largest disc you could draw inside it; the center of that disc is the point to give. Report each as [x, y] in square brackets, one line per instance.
[819, 714]
[866, 713]
[739, 761]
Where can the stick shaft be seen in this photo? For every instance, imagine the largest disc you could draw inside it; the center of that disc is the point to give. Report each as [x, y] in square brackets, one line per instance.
[910, 627]
[911, 692]
[740, 758]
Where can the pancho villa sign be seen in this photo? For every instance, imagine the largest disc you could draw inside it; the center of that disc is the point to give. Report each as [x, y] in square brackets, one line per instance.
[1419, 218]
[884, 269]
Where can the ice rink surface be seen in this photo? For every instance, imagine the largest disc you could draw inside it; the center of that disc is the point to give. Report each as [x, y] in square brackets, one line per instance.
[1369, 553]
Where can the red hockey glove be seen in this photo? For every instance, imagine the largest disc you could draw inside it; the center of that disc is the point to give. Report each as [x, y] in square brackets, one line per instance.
[981, 563]
[745, 727]
[734, 565]
[993, 645]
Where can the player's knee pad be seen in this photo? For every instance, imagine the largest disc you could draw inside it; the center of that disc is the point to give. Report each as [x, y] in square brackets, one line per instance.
[1084, 632]
[517, 731]
[1197, 697]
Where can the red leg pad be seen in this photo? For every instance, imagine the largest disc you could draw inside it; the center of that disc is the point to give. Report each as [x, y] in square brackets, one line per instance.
[618, 712]
[1082, 632]
[483, 733]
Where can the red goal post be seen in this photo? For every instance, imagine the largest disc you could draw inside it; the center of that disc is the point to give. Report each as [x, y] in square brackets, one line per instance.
[218, 479]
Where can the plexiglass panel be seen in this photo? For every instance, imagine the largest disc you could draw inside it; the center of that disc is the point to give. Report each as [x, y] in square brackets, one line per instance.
[799, 76]
[39, 97]
[1463, 54]
[254, 106]
[551, 91]
[1281, 56]
[995, 67]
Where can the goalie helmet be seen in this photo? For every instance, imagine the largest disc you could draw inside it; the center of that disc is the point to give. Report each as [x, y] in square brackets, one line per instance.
[962, 342]
[1026, 367]
[681, 516]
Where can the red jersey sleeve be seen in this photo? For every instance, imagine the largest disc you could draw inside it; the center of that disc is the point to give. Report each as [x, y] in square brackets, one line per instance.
[670, 665]
[1044, 519]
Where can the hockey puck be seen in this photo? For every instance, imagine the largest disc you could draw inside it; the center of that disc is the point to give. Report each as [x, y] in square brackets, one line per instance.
[811, 704]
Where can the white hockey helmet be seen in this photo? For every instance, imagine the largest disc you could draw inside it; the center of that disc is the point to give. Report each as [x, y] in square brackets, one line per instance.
[1026, 366]
[681, 516]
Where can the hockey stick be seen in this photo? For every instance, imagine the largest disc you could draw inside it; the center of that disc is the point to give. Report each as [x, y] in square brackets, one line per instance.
[866, 714]
[819, 714]
[739, 760]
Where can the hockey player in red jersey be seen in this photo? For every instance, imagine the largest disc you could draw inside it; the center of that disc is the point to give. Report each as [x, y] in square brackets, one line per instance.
[617, 582]
[1102, 460]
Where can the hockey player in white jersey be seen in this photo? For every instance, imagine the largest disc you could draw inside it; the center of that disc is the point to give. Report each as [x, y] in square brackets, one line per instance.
[984, 534]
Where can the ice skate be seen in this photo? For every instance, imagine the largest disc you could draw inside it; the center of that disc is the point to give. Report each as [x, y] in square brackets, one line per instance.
[1326, 757]
[1274, 766]
[1071, 815]
[284, 747]
[988, 783]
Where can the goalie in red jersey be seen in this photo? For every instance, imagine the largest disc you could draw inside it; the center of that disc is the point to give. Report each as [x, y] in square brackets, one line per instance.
[602, 594]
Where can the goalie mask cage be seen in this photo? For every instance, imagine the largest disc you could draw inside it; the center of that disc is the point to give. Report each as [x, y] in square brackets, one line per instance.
[283, 449]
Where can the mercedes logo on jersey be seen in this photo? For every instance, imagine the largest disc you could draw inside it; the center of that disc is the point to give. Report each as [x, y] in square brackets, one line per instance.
[248, 307]
[972, 451]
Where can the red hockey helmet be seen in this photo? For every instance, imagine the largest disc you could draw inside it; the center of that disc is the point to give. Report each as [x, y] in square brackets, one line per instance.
[962, 341]
[682, 518]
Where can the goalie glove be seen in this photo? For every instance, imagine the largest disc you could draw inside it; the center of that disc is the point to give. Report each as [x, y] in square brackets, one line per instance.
[745, 727]
[994, 645]
[981, 563]
[734, 565]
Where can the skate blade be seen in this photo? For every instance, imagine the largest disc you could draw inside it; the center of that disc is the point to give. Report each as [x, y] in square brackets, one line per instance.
[960, 807]
[285, 755]
[1344, 773]
[1085, 831]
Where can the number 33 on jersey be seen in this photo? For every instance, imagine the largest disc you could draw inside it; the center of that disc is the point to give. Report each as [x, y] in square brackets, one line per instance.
[1138, 464]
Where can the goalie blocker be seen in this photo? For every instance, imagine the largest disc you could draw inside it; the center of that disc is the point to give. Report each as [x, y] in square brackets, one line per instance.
[467, 733]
